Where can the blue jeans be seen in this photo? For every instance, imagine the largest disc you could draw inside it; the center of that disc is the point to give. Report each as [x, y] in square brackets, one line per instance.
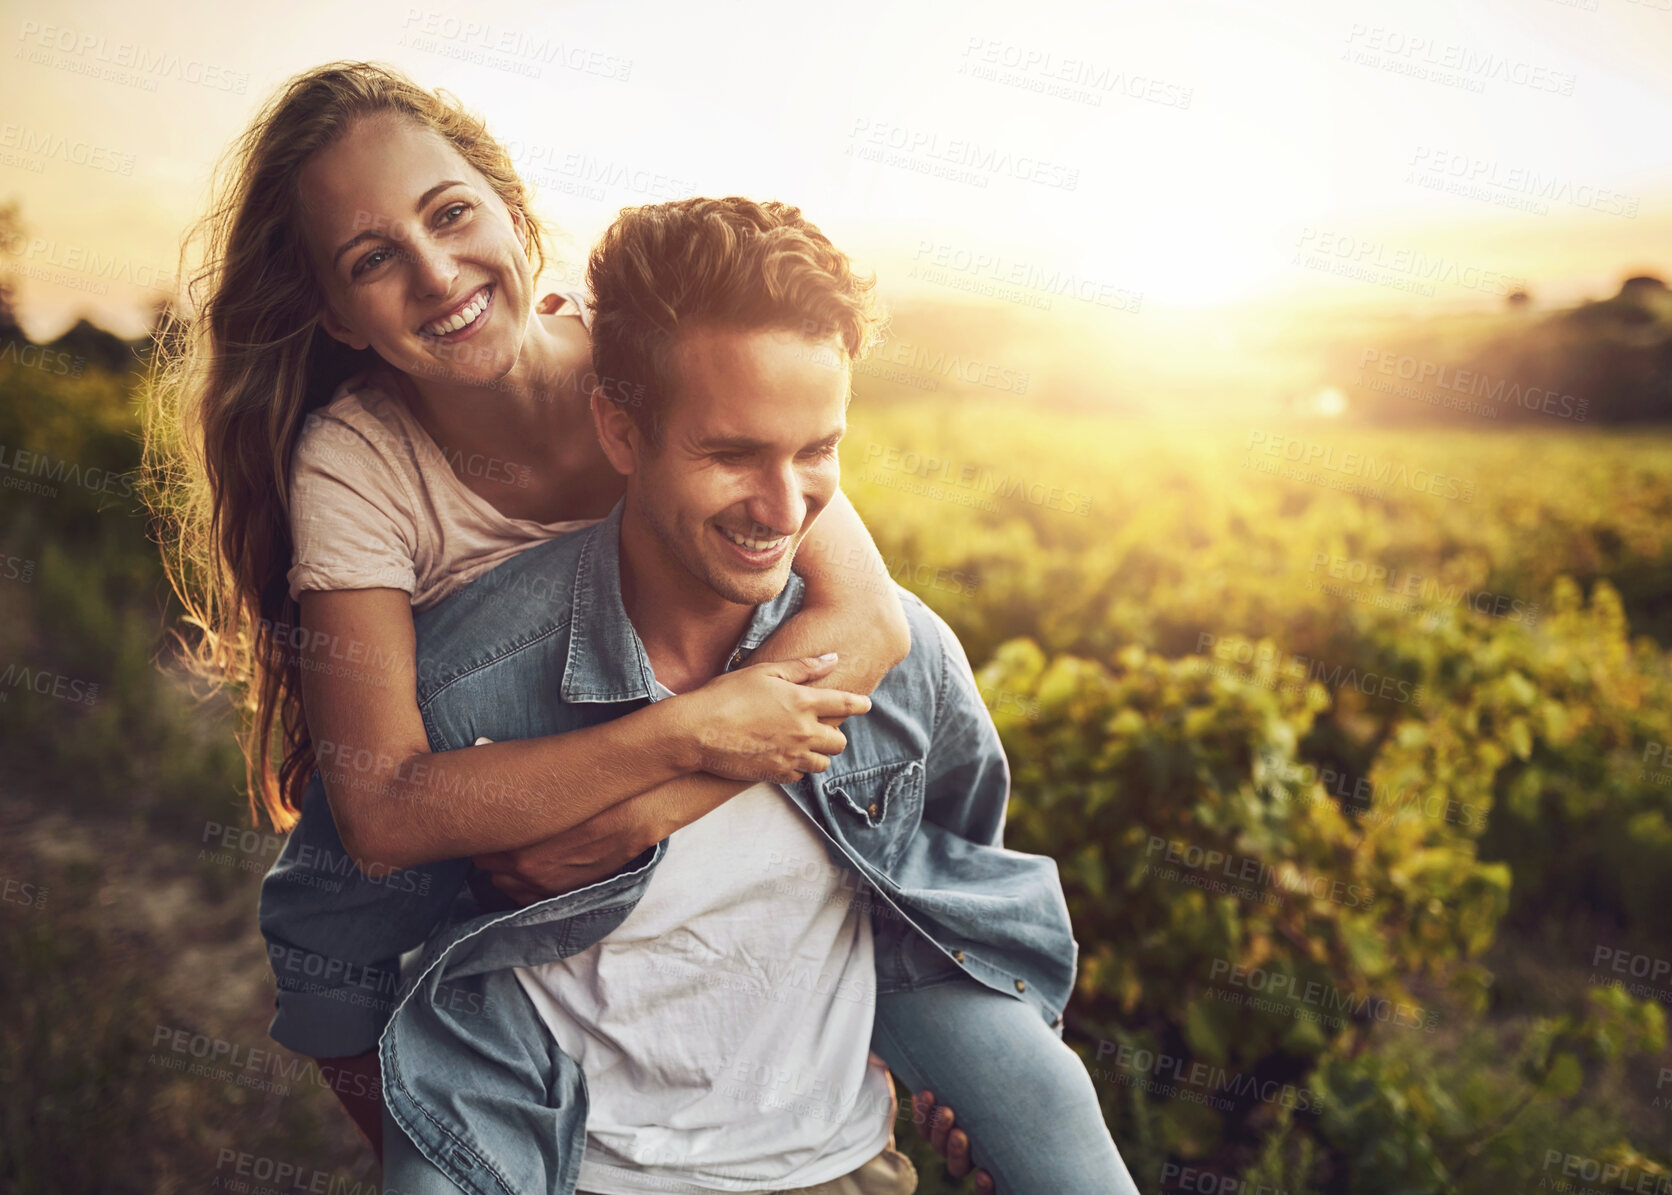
[1020, 1093]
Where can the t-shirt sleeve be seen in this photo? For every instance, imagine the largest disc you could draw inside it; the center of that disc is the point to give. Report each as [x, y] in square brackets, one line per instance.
[351, 510]
[563, 302]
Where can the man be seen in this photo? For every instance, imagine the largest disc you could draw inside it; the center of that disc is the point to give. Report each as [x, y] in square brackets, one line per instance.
[709, 1030]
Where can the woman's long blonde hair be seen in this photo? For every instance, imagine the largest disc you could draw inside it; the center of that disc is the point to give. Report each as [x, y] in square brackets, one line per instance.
[231, 382]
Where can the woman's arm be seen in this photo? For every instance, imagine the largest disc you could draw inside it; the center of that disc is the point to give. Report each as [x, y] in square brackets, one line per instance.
[851, 605]
[398, 804]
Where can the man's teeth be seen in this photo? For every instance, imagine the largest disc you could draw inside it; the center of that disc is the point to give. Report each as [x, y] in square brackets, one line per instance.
[754, 545]
[463, 319]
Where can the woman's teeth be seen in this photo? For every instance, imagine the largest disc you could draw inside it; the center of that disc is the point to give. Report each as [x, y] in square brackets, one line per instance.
[463, 319]
[754, 545]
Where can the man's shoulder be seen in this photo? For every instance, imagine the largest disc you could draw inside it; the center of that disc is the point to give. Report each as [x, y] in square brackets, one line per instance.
[930, 633]
[935, 655]
[915, 698]
[526, 600]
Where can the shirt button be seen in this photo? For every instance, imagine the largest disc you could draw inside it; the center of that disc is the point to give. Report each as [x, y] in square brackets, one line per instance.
[959, 955]
[873, 809]
[1021, 985]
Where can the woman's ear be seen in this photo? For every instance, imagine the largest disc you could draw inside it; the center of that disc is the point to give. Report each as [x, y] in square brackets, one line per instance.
[520, 223]
[337, 330]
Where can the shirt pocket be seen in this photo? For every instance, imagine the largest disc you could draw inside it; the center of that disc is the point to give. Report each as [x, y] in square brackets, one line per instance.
[877, 809]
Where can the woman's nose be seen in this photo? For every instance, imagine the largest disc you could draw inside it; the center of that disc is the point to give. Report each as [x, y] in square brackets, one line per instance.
[434, 269]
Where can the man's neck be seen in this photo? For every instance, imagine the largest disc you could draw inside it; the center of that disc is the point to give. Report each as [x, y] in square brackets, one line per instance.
[687, 629]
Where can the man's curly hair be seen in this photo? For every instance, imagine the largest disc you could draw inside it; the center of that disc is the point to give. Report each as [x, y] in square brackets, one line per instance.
[733, 263]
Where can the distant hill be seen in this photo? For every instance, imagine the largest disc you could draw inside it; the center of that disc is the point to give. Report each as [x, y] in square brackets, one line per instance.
[1604, 362]
[101, 349]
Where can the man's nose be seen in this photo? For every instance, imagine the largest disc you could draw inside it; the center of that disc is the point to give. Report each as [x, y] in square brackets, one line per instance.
[780, 500]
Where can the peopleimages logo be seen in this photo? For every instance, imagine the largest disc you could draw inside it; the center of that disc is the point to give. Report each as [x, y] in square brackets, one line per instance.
[39, 464]
[48, 684]
[1609, 1176]
[1307, 454]
[1300, 670]
[1281, 877]
[1473, 382]
[1267, 985]
[1401, 583]
[1170, 1070]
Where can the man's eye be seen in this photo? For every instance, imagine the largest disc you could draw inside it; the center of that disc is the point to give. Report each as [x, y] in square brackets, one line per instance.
[731, 458]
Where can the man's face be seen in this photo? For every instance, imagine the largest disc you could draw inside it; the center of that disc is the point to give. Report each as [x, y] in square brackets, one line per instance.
[417, 256]
[748, 456]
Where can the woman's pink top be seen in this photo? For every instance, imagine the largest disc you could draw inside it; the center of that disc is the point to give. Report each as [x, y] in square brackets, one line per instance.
[376, 504]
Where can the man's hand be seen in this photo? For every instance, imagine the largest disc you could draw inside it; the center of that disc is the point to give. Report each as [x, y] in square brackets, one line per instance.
[952, 1144]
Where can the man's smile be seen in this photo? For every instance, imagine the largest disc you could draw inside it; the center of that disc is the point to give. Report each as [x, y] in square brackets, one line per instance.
[756, 549]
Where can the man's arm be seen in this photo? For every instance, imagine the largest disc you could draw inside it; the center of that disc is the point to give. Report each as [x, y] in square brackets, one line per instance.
[967, 778]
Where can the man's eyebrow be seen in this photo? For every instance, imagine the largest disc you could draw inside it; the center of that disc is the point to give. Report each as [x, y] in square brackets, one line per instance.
[371, 233]
[746, 444]
[728, 444]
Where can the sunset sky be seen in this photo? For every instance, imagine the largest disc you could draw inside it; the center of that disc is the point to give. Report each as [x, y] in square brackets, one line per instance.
[1159, 157]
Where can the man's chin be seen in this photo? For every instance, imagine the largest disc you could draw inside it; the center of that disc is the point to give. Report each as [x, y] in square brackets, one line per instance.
[749, 589]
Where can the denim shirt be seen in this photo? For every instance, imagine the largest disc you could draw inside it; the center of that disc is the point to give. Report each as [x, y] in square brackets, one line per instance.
[541, 645]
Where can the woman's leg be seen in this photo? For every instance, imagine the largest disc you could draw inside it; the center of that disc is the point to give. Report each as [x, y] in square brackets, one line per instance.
[1018, 1091]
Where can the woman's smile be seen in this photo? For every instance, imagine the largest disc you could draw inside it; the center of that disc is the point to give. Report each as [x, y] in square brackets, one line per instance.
[462, 320]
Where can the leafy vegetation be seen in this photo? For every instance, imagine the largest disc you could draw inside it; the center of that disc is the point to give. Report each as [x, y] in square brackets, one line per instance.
[1349, 793]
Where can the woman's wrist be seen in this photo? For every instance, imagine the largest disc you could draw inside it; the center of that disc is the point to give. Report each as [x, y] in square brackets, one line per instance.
[675, 737]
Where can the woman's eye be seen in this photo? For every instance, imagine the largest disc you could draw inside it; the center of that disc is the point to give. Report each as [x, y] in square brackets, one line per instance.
[453, 212]
[371, 261]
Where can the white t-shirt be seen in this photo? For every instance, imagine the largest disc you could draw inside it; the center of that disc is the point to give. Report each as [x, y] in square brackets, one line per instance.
[724, 1027]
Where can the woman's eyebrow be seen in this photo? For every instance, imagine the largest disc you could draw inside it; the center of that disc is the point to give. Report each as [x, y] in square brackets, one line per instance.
[368, 234]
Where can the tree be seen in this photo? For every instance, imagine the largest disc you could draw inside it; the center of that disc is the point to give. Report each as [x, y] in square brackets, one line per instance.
[11, 238]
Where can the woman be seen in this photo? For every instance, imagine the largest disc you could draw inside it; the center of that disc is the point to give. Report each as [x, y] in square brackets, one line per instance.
[343, 448]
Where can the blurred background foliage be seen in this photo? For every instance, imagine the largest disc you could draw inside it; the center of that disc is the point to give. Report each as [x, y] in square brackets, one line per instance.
[1417, 807]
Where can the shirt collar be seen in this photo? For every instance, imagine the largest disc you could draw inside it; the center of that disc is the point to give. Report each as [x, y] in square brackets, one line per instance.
[607, 661]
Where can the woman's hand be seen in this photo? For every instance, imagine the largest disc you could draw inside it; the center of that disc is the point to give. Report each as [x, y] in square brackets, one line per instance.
[764, 722]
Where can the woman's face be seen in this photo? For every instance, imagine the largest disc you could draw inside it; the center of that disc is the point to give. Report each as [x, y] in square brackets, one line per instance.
[417, 256]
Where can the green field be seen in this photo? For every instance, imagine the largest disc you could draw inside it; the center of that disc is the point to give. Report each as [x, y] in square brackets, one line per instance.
[1359, 782]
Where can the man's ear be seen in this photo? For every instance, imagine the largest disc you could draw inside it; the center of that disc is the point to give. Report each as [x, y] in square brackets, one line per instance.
[618, 435]
[337, 330]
